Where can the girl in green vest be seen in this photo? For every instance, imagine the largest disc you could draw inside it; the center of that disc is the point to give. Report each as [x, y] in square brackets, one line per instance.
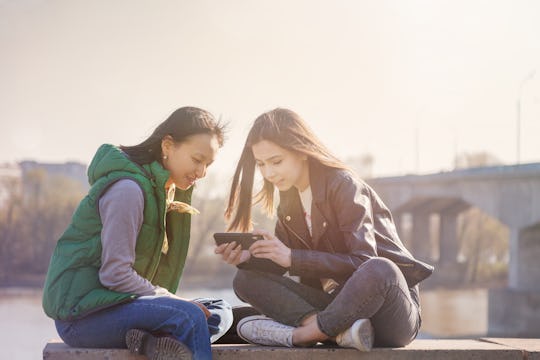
[114, 273]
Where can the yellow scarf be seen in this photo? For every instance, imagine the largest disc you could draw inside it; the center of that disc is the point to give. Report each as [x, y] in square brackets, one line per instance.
[178, 206]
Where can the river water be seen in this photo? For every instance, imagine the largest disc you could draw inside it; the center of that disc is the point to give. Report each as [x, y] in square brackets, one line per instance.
[24, 328]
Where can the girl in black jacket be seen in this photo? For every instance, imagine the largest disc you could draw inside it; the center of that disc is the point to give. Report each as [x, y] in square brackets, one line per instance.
[335, 270]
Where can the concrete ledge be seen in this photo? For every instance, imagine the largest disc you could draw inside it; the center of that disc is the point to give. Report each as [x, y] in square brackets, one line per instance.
[489, 348]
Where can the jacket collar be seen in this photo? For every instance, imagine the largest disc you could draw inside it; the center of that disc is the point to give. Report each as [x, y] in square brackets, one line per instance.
[291, 207]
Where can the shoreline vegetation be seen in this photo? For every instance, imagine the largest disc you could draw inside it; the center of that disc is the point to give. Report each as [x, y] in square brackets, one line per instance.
[30, 227]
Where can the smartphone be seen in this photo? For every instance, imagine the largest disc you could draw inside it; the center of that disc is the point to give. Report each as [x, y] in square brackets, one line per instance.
[244, 239]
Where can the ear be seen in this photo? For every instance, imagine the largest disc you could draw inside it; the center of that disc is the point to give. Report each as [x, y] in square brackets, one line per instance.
[167, 144]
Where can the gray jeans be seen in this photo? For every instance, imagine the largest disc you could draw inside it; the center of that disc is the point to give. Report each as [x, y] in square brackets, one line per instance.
[377, 291]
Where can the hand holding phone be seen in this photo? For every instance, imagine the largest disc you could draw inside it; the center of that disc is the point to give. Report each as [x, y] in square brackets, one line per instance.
[243, 239]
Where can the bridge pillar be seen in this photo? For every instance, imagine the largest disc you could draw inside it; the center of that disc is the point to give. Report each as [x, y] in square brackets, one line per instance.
[515, 311]
[448, 242]
[403, 230]
[421, 240]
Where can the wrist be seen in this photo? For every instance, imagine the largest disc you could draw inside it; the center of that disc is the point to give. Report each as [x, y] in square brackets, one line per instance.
[289, 259]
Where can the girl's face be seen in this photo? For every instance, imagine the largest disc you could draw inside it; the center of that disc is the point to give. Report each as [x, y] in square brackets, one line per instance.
[282, 167]
[187, 161]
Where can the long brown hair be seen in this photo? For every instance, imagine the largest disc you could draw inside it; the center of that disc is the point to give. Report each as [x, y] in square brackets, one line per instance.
[288, 130]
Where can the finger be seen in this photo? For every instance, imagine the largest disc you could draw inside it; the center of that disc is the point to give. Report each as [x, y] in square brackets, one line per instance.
[232, 252]
[220, 248]
[266, 234]
[244, 256]
[263, 245]
[262, 251]
[234, 256]
[230, 246]
[256, 245]
[263, 255]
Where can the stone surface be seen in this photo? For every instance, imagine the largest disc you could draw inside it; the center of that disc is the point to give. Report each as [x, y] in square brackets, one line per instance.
[530, 346]
[489, 348]
[57, 350]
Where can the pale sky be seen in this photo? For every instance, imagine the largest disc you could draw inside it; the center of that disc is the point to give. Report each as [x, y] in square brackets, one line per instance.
[413, 83]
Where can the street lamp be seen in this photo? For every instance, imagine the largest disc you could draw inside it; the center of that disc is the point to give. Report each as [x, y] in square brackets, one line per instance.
[518, 109]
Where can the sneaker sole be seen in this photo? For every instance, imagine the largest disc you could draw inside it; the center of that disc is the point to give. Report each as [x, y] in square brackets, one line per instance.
[141, 342]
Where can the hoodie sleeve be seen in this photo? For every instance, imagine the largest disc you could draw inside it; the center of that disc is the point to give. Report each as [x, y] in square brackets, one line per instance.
[121, 210]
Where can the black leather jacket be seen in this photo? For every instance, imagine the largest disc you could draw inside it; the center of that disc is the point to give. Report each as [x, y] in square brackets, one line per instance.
[350, 224]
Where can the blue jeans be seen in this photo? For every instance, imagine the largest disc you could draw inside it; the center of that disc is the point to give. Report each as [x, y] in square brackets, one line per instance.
[107, 328]
[377, 290]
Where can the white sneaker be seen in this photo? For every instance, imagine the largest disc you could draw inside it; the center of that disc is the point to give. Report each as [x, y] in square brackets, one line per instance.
[262, 330]
[359, 336]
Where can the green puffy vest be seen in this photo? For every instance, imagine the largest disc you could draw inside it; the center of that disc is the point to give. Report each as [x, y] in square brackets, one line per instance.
[72, 288]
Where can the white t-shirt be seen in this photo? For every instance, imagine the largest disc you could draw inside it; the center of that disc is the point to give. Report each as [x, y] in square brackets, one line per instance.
[306, 197]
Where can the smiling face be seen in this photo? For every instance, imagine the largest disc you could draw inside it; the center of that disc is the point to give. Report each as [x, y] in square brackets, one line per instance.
[188, 160]
[282, 167]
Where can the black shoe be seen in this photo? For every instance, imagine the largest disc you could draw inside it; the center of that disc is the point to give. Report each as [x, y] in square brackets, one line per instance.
[156, 347]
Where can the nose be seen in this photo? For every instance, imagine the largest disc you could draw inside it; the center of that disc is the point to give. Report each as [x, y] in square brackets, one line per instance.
[201, 171]
[268, 173]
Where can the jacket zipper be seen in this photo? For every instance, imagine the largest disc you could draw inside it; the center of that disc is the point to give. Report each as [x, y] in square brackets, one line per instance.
[298, 236]
[303, 241]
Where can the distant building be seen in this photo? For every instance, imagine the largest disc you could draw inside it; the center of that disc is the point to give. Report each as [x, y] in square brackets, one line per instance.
[10, 175]
[14, 174]
[72, 170]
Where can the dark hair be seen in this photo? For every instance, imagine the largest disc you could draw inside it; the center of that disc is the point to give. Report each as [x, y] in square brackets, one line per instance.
[286, 129]
[180, 125]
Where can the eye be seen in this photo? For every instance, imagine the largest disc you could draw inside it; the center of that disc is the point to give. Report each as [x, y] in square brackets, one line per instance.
[196, 161]
[277, 162]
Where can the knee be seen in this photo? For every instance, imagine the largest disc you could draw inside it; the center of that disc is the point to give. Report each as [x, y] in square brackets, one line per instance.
[241, 280]
[187, 320]
[197, 314]
[244, 282]
[380, 268]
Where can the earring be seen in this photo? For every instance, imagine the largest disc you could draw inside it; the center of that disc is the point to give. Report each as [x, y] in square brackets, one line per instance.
[165, 157]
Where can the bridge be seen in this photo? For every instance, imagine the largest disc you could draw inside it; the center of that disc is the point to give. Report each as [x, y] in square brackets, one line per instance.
[510, 194]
